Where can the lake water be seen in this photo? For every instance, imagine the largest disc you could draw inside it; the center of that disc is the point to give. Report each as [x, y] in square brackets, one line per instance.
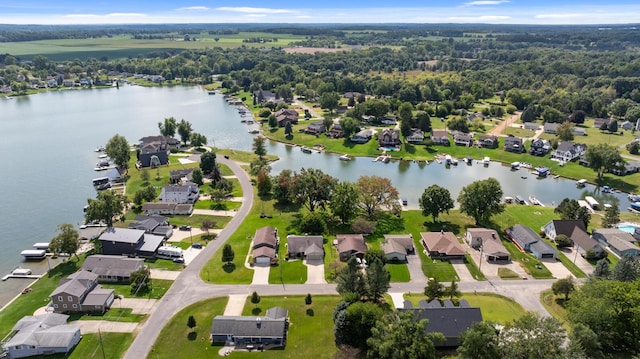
[47, 143]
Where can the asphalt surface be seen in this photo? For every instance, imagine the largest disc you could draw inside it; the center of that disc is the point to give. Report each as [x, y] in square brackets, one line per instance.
[188, 288]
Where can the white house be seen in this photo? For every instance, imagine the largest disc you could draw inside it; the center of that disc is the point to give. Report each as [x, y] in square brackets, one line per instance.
[185, 193]
[41, 335]
[568, 151]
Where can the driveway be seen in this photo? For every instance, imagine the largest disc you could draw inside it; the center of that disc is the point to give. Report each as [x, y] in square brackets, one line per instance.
[261, 274]
[463, 272]
[315, 272]
[164, 274]
[92, 326]
[235, 304]
[579, 261]
[414, 265]
[490, 269]
[137, 305]
[557, 269]
[398, 299]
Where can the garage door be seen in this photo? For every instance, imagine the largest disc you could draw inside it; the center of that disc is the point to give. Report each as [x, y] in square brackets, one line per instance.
[547, 255]
[262, 260]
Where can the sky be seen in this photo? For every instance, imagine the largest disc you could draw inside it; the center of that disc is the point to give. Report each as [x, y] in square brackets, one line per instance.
[545, 12]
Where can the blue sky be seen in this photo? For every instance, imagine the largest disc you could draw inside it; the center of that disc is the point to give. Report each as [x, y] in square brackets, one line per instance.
[328, 11]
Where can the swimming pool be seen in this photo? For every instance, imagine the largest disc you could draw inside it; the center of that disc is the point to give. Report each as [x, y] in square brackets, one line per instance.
[627, 227]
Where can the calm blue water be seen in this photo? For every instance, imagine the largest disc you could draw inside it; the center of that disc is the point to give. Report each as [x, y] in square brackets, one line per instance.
[47, 144]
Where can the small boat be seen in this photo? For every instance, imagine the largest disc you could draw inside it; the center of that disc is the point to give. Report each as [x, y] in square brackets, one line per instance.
[542, 171]
[211, 92]
[520, 200]
[635, 206]
[254, 131]
[605, 189]
[634, 198]
[104, 155]
[534, 201]
[404, 201]
[523, 177]
[525, 165]
[468, 160]
[515, 165]
[448, 159]
[583, 182]
[454, 161]
[345, 157]
[508, 199]
[99, 149]
[305, 149]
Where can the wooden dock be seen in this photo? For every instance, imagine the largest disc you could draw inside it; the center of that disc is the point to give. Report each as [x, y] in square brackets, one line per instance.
[28, 276]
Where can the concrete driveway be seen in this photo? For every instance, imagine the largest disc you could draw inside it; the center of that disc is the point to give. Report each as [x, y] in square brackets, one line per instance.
[137, 305]
[398, 299]
[261, 274]
[92, 326]
[557, 269]
[461, 269]
[164, 274]
[414, 265]
[315, 272]
[579, 261]
[235, 304]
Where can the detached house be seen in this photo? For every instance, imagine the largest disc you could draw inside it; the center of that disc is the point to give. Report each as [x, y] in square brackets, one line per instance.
[575, 231]
[129, 242]
[153, 224]
[262, 96]
[567, 151]
[416, 137]
[513, 144]
[488, 141]
[350, 245]
[539, 147]
[80, 292]
[620, 242]
[463, 139]
[440, 137]
[285, 115]
[397, 246]
[489, 242]
[265, 245]
[185, 193]
[362, 137]
[315, 128]
[551, 128]
[389, 138]
[43, 334]
[442, 245]
[308, 247]
[249, 332]
[528, 240]
[114, 269]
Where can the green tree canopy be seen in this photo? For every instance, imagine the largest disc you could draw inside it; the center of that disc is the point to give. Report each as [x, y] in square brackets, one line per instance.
[377, 193]
[118, 150]
[140, 281]
[563, 286]
[350, 279]
[532, 336]
[184, 130]
[312, 188]
[228, 253]
[208, 162]
[67, 241]
[399, 335]
[107, 207]
[344, 201]
[481, 199]
[434, 289]
[479, 342]
[435, 200]
[258, 146]
[168, 127]
[603, 157]
[376, 280]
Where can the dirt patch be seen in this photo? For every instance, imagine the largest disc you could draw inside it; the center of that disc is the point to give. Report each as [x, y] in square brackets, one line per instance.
[311, 50]
[498, 130]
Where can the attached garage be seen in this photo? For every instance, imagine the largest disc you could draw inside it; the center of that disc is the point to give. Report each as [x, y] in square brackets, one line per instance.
[263, 255]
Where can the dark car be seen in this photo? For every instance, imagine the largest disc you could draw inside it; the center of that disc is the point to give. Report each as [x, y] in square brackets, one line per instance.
[185, 228]
[196, 245]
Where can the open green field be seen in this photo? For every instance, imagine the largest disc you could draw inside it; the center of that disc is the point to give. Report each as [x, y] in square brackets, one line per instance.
[114, 315]
[104, 346]
[158, 288]
[125, 46]
[494, 307]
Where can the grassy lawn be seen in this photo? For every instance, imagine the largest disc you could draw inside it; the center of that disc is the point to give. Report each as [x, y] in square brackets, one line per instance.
[292, 272]
[241, 156]
[105, 346]
[508, 274]
[114, 314]
[494, 307]
[159, 288]
[176, 335]
[222, 205]
[399, 271]
[518, 132]
[555, 305]
[167, 264]
[195, 220]
[39, 296]
[311, 330]
[473, 268]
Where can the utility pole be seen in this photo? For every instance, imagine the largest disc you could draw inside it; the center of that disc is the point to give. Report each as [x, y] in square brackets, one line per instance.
[481, 250]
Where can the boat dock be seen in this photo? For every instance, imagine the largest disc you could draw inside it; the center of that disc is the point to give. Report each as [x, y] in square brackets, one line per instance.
[27, 276]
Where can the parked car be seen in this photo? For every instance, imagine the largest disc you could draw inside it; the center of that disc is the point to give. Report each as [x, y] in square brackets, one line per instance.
[196, 245]
[185, 228]
[178, 260]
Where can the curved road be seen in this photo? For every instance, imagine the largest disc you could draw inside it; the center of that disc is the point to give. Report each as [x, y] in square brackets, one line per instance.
[188, 288]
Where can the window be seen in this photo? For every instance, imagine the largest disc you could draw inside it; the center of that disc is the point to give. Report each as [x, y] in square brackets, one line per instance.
[55, 306]
[60, 298]
[75, 306]
[64, 306]
[70, 298]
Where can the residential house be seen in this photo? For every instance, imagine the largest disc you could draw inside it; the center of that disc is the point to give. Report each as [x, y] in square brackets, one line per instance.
[575, 231]
[626, 168]
[129, 242]
[389, 120]
[539, 147]
[252, 332]
[362, 137]
[578, 131]
[112, 269]
[80, 292]
[397, 246]
[626, 125]
[513, 144]
[308, 247]
[185, 193]
[315, 128]
[488, 141]
[163, 208]
[164, 141]
[153, 151]
[181, 175]
[416, 137]
[551, 128]
[475, 115]
[350, 94]
[531, 126]
[389, 138]
[342, 109]
[618, 241]
[445, 318]
[489, 243]
[440, 137]
[528, 240]
[349, 245]
[597, 123]
[568, 151]
[42, 334]
[265, 245]
[153, 224]
[463, 139]
[262, 96]
[442, 245]
[336, 131]
[285, 115]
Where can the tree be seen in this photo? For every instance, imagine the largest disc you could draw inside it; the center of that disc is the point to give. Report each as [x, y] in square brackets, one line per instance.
[168, 127]
[584, 343]
[288, 129]
[435, 200]
[263, 183]
[140, 281]
[458, 124]
[479, 342]
[207, 225]
[611, 216]
[551, 115]
[376, 280]
[405, 128]
[361, 317]
[563, 286]
[570, 209]
[344, 201]
[197, 177]
[613, 126]
[603, 157]
[452, 291]
[481, 199]
[198, 139]
[329, 101]
[562, 241]
[532, 336]
[350, 279]
[282, 186]
[107, 206]
[67, 240]
[604, 126]
[184, 130]
[313, 223]
[145, 176]
[349, 126]
[258, 146]
[434, 289]
[228, 254]
[602, 269]
[578, 116]
[633, 147]
[272, 120]
[377, 193]
[423, 121]
[118, 150]
[312, 188]
[307, 299]
[399, 335]
[191, 322]
[405, 112]
[208, 162]
[146, 194]
[528, 115]
[327, 123]
[565, 131]
[626, 270]
[363, 226]
[255, 298]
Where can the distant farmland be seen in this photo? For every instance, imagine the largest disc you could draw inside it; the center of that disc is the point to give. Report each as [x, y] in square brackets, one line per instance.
[126, 46]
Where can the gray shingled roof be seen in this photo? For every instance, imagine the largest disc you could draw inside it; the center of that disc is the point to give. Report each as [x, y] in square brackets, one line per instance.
[523, 235]
[301, 244]
[98, 296]
[46, 330]
[449, 321]
[104, 265]
[122, 235]
[238, 326]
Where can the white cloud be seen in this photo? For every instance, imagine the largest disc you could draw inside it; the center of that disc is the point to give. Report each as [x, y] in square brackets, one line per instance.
[558, 16]
[258, 10]
[106, 16]
[483, 18]
[194, 8]
[255, 15]
[485, 2]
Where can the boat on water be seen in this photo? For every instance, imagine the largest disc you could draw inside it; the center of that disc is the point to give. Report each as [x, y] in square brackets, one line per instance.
[525, 165]
[468, 160]
[534, 201]
[448, 160]
[104, 155]
[520, 200]
[305, 149]
[99, 149]
[515, 165]
[254, 131]
[382, 158]
[634, 197]
[635, 206]
[345, 157]
[583, 182]
[103, 165]
[404, 201]
[542, 171]
[606, 189]
[212, 92]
